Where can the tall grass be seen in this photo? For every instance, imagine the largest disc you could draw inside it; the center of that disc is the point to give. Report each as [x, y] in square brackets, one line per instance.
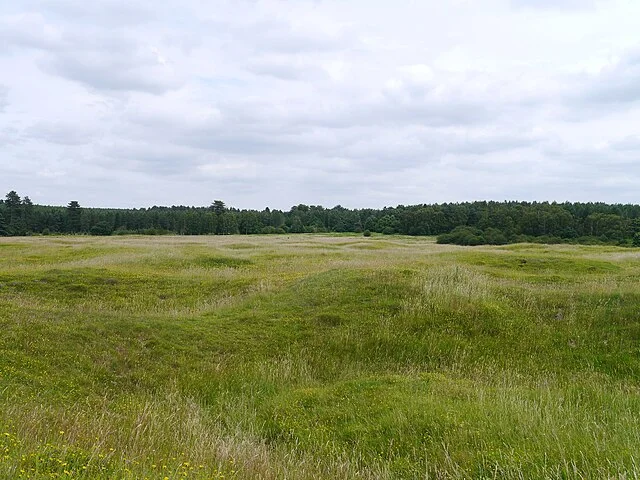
[316, 357]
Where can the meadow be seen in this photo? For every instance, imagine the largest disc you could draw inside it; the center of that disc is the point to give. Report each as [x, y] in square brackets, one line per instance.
[317, 356]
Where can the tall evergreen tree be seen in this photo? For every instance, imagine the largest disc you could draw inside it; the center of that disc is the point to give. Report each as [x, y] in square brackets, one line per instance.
[13, 203]
[27, 213]
[15, 222]
[74, 216]
[3, 226]
[219, 209]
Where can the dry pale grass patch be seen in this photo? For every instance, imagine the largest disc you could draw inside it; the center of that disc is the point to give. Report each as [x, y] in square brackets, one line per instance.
[445, 287]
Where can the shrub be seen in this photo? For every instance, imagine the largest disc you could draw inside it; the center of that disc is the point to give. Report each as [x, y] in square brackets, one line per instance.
[101, 228]
[493, 236]
[463, 236]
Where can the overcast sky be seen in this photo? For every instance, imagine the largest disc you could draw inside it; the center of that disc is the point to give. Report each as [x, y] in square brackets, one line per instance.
[363, 103]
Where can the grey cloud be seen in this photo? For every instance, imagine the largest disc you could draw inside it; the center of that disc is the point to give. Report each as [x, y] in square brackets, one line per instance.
[477, 165]
[8, 136]
[428, 146]
[381, 148]
[286, 68]
[391, 112]
[236, 118]
[4, 98]
[103, 12]
[436, 103]
[369, 146]
[616, 85]
[253, 142]
[595, 161]
[159, 158]
[282, 37]
[628, 144]
[29, 30]
[113, 63]
[295, 116]
[433, 113]
[95, 57]
[236, 131]
[136, 71]
[372, 132]
[486, 144]
[185, 144]
[554, 4]
[60, 133]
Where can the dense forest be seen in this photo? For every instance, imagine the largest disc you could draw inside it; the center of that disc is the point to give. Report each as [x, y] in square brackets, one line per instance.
[472, 223]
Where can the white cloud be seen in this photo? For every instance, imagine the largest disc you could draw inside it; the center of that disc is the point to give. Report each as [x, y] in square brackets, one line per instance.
[616, 83]
[29, 30]
[554, 4]
[61, 133]
[361, 103]
[4, 98]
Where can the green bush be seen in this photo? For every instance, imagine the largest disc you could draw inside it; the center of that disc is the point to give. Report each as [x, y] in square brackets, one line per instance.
[101, 228]
[463, 236]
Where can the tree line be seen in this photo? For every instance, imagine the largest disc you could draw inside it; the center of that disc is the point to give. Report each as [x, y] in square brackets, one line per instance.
[469, 223]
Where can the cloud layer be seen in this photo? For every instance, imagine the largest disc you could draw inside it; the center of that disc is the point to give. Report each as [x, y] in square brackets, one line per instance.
[359, 103]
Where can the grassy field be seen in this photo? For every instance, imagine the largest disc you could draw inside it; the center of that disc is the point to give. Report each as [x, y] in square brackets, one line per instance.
[312, 357]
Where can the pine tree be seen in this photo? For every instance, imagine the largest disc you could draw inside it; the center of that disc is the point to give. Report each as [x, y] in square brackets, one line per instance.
[3, 226]
[74, 212]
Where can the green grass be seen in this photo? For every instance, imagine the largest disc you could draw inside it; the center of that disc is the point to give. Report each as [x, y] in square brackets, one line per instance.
[317, 357]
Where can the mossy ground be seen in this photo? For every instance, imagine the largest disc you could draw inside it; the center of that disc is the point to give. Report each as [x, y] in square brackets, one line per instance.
[317, 357]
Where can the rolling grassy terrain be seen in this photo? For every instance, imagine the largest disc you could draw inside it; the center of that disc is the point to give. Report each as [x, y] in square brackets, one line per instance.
[307, 357]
